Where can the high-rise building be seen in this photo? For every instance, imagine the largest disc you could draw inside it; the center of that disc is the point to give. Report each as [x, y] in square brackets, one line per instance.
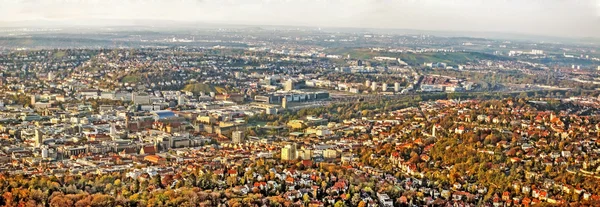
[374, 86]
[289, 152]
[284, 103]
[33, 100]
[368, 83]
[305, 154]
[44, 152]
[140, 99]
[50, 76]
[113, 130]
[396, 87]
[330, 154]
[537, 52]
[237, 137]
[384, 87]
[39, 138]
[267, 81]
[289, 85]
[180, 99]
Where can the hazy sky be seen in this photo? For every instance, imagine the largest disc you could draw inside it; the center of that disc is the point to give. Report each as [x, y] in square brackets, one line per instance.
[574, 18]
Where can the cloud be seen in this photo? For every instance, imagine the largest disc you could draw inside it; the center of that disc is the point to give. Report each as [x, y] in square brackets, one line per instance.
[551, 17]
[598, 8]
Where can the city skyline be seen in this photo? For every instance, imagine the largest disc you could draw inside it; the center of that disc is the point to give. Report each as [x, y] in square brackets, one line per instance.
[312, 103]
[549, 18]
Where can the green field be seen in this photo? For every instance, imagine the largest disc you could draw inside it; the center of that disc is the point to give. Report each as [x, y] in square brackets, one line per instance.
[59, 54]
[131, 79]
[205, 88]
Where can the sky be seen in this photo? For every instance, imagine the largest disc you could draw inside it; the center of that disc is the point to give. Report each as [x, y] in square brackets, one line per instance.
[564, 18]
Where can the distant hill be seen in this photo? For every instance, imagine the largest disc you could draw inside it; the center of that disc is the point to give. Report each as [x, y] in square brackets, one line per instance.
[204, 88]
[415, 59]
[590, 40]
[157, 24]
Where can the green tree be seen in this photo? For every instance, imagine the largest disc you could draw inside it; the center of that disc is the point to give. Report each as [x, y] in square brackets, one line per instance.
[339, 204]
